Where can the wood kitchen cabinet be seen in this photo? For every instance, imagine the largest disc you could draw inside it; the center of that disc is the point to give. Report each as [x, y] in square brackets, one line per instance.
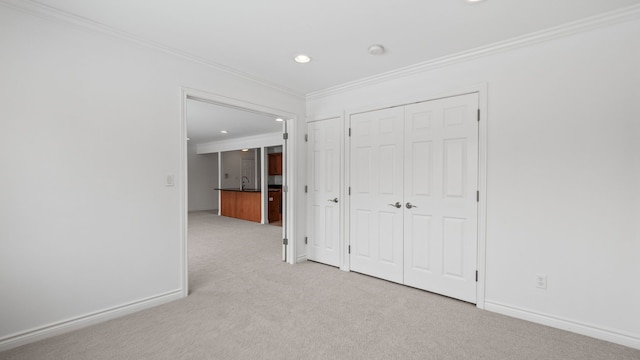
[244, 205]
[228, 203]
[275, 164]
[274, 205]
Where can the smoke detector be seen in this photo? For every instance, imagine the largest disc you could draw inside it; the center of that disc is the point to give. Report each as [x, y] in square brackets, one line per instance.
[376, 49]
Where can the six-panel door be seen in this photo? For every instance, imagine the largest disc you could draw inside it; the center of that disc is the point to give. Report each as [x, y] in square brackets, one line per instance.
[440, 184]
[376, 225]
[413, 213]
[323, 192]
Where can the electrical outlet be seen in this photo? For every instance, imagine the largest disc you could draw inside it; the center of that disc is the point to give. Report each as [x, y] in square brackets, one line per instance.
[541, 281]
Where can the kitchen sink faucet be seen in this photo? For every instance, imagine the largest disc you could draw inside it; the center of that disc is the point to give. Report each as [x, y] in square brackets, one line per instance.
[243, 183]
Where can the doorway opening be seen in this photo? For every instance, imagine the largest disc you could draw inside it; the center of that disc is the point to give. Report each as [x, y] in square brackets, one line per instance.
[230, 150]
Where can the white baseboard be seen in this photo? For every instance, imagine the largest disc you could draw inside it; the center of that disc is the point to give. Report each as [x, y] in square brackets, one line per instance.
[65, 326]
[301, 258]
[565, 324]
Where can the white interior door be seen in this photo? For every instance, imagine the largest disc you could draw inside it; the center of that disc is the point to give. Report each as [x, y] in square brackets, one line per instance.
[376, 223]
[323, 226]
[285, 195]
[440, 184]
[424, 158]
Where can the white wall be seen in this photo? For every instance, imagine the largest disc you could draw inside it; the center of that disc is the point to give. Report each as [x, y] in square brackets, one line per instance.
[203, 178]
[563, 173]
[91, 127]
[231, 168]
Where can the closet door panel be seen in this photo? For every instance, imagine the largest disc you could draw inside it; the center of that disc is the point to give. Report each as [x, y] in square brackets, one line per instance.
[424, 158]
[440, 185]
[376, 230]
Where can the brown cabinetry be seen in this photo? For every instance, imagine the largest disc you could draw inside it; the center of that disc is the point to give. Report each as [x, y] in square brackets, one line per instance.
[275, 164]
[244, 205]
[274, 205]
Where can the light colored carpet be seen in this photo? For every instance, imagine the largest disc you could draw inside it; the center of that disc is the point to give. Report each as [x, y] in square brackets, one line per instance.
[246, 304]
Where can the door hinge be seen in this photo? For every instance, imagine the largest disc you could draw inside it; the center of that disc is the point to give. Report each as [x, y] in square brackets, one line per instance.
[285, 241]
[349, 190]
[349, 131]
[285, 188]
[285, 136]
[478, 196]
[305, 240]
[478, 114]
[306, 137]
[476, 275]
[349, 249]
[305, 188]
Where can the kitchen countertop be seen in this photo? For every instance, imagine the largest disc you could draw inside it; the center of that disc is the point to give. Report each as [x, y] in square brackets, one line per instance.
[270, 188]
[238, 189]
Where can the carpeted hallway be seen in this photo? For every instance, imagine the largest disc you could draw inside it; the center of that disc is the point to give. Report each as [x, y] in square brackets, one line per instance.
[247, 304]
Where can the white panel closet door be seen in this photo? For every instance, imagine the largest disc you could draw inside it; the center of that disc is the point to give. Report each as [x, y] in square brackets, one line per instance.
[440, 183]
[376, 185]
[323, 192]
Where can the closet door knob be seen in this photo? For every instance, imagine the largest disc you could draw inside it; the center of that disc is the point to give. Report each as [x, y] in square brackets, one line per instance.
[409, 206]
[335, 200]
[396, 205]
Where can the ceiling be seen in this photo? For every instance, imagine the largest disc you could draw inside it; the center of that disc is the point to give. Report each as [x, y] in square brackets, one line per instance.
[205, 121]
[259, 38]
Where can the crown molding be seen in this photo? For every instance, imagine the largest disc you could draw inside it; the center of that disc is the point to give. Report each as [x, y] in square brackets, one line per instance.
[571, 28]
[44, 11]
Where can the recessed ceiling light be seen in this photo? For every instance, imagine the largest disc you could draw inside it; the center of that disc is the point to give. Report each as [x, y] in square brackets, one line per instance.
[224, 131]
[475, 1]
[302, 59]
[279, 119]
[245, 150]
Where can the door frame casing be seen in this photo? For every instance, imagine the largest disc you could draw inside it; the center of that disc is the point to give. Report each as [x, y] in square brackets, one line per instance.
[481, 90]
[289, 228]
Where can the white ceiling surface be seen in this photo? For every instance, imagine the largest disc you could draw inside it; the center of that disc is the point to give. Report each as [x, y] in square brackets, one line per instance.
[259, 38]
[205, 121]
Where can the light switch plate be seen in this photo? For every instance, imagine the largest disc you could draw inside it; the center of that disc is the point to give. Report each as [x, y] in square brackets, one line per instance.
[169, 181]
